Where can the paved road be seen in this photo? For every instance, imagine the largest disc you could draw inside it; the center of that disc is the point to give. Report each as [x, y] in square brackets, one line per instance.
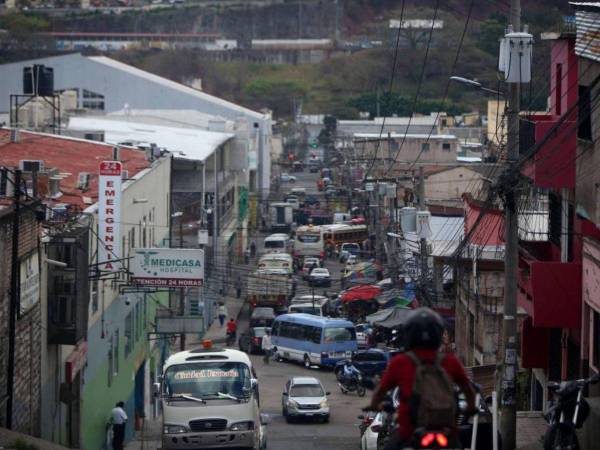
[341, 431]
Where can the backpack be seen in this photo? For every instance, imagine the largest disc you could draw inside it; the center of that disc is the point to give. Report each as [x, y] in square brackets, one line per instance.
[432, 403]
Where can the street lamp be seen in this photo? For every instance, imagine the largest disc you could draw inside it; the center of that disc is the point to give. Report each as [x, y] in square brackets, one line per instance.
[476, 85]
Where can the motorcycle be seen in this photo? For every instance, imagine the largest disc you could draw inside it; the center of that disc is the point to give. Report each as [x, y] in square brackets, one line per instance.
[354, 384]
[567, 412]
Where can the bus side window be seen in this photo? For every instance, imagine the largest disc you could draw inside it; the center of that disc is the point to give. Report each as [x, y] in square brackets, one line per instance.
[275, 330]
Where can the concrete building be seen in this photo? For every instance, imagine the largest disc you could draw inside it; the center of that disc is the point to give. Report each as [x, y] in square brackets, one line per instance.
[94, 350]
[106, 85]
[27, 366]
[447, 185]
[394, 152]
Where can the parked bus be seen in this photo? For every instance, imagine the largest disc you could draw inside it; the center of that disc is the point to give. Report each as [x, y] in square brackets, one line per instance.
[339, 234]
[313, 339]
[308, 242]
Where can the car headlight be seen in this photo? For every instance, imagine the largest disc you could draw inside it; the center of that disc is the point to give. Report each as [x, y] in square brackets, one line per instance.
[323, 403]
[174, 429]
[293, 403]
[242, 426]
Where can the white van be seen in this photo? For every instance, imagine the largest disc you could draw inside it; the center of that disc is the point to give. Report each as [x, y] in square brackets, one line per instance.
[277, 243]
[342, 218]
[306, 308]
[210, 400]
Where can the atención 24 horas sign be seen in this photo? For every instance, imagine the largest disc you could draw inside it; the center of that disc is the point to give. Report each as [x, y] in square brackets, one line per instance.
[170, 267]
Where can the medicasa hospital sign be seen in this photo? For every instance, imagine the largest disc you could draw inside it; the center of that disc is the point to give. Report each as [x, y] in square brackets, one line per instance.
[168, 267]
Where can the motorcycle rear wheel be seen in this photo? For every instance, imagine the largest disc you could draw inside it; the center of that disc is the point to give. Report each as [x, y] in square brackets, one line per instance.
[561, 436]
[360, 390]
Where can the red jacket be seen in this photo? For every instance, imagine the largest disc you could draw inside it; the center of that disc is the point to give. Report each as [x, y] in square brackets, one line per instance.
[231, 327]
[401, 372]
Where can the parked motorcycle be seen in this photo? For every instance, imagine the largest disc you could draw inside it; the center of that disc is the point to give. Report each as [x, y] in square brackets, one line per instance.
[354, 384]
[567, 412]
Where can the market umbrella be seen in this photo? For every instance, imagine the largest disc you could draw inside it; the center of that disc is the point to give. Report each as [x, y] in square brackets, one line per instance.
[395, 319]
[393, 297]
[365, 272]
[378, 316]
[364, 292]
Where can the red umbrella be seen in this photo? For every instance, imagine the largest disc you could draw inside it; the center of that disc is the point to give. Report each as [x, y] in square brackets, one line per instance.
[361, 292]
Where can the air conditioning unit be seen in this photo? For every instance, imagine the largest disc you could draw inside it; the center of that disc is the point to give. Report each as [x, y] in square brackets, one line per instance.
[83, 181]
[27, 165]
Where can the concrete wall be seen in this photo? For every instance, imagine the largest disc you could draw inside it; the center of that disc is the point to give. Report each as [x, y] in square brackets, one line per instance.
[28, 344]
[451, 184]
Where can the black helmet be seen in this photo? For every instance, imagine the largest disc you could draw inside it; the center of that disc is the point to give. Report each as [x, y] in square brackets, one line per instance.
[423, 329]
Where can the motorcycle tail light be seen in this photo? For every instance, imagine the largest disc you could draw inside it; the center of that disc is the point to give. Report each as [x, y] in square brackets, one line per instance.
[441, 440]
[427, 440]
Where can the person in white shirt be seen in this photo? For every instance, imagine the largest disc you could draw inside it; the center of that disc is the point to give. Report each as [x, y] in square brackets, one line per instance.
[267, 346]
[222, 313]
[118, 419]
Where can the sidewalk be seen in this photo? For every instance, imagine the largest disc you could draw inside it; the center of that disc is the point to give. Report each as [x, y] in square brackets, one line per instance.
[530, 427]
[215, 331]
[148, 438]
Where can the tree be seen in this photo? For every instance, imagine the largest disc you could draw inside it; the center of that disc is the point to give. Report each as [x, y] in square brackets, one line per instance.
[490, 32]
[281, 96]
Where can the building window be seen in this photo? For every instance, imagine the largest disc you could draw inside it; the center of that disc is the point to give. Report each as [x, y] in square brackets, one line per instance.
[128, 333]
[92, 100]
[584, 131]
[446, 146]
[425, 147]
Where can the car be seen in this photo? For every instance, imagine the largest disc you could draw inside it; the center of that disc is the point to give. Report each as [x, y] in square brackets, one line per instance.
[304, 397]
[368, 440]
[347, 249]
[298, 166]
[298, 192]
[327, 181]
[311, 202]
[371, 363]
[251, 340]
[293, 200]
[262, 316]
[320, 277]
[307, 265]
[330, 191]
[287, 178]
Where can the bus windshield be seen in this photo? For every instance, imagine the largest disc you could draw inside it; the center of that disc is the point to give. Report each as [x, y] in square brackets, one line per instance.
[275, 244]
[207, 380]
[338, 335]
[308, 238]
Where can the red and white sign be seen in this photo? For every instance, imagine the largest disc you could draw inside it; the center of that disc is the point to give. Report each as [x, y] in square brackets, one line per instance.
[109, 216]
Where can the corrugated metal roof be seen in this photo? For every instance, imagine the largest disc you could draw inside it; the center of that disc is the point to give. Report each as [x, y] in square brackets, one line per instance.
[402, 135]
[587, 44]
[71, 157]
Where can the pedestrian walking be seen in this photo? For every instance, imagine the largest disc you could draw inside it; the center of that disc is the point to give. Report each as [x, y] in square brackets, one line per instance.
[247, 256]
[253, 249]
[222, 313]
[231, 331]
[238, 287]
[267, 346]
[118, 420]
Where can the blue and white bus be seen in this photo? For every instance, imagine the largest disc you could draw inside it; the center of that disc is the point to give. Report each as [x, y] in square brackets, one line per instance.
[313, 339]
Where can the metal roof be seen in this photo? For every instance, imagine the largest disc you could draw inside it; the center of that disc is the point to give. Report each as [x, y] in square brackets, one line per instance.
[230, 354]
[185, 143]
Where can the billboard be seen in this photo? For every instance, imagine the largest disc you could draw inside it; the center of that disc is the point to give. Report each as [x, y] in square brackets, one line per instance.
[109, 216]
[167, 267]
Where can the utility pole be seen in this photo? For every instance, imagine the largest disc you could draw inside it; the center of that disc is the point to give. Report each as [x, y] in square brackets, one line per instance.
[14, 301]
[508, 418]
